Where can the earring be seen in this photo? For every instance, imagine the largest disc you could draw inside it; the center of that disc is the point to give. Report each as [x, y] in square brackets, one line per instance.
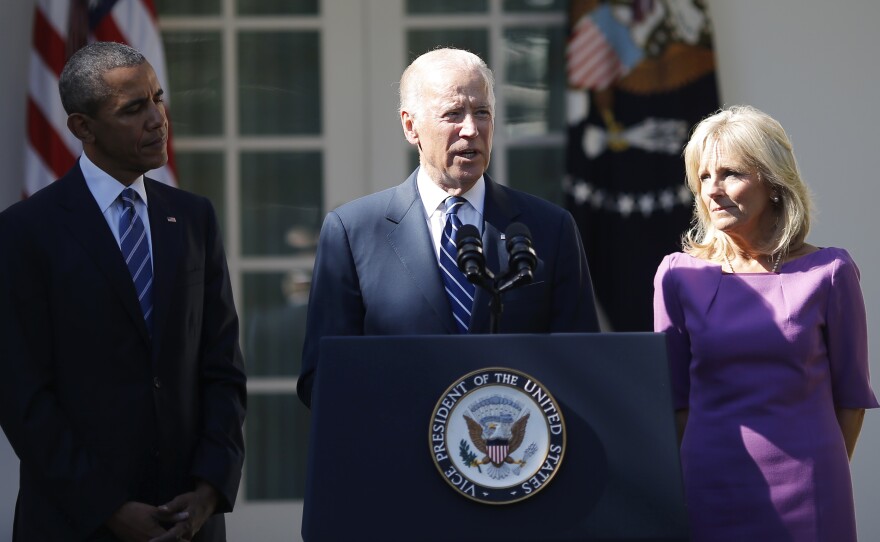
[775, 198]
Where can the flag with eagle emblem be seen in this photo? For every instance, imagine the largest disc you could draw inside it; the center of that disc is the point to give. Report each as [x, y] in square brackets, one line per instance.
[641, 73]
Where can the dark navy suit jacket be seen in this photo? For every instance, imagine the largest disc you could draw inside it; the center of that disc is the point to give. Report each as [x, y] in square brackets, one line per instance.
[376, 272]
[98, 412]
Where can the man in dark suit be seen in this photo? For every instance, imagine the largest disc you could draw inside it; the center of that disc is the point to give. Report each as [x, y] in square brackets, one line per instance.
[122, 388]
[381, 266]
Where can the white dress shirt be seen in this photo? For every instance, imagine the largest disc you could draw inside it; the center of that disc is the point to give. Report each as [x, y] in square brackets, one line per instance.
[106, 190]
[433, 197]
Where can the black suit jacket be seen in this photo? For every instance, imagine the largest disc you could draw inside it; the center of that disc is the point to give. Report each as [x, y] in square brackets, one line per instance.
[98, 412]
[376, 272]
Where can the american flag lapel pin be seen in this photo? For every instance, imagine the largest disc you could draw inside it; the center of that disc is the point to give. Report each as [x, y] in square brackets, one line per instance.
[171, 219]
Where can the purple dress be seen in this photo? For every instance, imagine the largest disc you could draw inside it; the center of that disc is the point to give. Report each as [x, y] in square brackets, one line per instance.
[761, 360]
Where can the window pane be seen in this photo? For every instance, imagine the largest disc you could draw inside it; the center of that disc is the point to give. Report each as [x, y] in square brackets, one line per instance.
[538, 171]
[534, 5]
[279, 78]
[421, 7]
[274, 321]
[277, 7]
[195, 80]
[422, 41]
[188, 7]
[281, 199]
[276, 432]
[203, 173]
[535, 87]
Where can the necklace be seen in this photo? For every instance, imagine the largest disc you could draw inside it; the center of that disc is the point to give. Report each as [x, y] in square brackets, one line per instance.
[775, 259]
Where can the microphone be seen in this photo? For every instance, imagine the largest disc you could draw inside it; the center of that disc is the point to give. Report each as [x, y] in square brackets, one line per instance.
[522, 259]
[470, 259]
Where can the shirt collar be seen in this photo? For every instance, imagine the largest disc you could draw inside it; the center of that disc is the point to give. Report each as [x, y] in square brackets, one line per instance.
[433, 196]
[105, 188]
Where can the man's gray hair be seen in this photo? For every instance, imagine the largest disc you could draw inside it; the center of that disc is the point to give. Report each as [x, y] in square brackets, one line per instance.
[412, 80]
[82, 85]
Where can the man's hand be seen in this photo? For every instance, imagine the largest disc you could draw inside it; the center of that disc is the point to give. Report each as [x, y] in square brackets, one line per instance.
[135, 522]
[188, 512]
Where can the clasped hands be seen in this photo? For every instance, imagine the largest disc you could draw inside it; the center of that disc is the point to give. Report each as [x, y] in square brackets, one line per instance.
[179, 519]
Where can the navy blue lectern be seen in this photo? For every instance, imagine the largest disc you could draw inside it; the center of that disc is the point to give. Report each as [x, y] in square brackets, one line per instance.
[371, 476]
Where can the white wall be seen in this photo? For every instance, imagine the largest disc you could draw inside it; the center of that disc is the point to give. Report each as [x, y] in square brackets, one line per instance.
[809, 63]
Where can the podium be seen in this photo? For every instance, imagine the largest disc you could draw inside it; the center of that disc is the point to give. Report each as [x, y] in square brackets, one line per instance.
[372, 475]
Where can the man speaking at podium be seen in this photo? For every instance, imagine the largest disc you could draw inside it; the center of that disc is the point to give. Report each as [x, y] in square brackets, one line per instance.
[385, 263]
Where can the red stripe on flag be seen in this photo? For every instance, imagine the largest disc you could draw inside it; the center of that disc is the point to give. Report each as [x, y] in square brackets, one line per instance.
[46, 142]
[48, 44]
[106, 30]
[587, 57]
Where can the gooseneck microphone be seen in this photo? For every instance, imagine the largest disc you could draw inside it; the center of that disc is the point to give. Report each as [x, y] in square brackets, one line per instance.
[470, 258]
[522, 261]
[521, 256]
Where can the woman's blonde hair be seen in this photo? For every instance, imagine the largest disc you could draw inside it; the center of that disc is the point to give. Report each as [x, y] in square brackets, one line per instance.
[759, 143]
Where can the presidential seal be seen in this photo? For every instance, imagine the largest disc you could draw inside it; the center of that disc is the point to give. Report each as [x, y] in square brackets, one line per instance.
[497, 436]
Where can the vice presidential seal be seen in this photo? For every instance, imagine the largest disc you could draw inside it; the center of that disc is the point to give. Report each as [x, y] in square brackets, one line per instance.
[497, 436]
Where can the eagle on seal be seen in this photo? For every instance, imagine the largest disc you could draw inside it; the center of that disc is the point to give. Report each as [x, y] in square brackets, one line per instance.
[497, 437]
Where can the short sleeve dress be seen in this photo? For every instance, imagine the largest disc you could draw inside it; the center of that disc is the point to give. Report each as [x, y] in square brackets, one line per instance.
[761, 360]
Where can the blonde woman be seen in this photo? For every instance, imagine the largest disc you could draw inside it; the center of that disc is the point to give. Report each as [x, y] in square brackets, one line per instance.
[767, 344]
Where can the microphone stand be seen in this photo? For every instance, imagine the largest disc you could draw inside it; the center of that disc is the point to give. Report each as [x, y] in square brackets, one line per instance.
[495, 310]
[503, 284]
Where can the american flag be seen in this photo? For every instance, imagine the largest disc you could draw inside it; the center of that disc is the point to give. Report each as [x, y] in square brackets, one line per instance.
[640, 74]
[61, 27]
[599, 51]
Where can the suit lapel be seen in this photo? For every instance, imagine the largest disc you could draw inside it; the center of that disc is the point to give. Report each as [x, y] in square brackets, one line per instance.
[85, 222]
[167, 247]
[498, 212]
[411, 241]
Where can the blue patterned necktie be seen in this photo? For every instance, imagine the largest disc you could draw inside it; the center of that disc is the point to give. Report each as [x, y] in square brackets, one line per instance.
[459, 290]
[136, 250]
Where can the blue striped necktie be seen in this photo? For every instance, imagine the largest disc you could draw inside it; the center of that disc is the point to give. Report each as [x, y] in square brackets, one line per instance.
[136, 250]
[459, 290]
